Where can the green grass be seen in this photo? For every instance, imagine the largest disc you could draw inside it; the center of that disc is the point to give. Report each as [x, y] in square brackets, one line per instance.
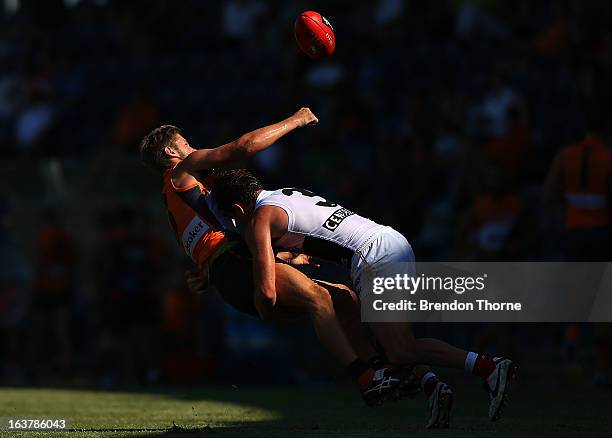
[289, 412]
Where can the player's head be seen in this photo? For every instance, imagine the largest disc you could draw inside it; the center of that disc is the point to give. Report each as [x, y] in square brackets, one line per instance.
[235, 192]
[163, 147]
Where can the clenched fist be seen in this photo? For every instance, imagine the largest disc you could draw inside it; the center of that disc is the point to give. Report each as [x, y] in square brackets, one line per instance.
[305, 117]
[197, 279]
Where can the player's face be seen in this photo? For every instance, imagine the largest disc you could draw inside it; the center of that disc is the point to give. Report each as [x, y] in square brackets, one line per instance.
[181, 145]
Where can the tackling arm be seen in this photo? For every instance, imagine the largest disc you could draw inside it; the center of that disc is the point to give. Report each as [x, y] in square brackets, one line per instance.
[259, 239]
[268, 223]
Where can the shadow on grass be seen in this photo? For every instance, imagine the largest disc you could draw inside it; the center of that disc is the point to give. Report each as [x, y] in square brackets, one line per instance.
[245, 411]
[298, 412]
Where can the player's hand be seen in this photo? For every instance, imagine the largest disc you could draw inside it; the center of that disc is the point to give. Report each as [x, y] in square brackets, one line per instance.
[197, 280]
[305, 117]
[297, 259]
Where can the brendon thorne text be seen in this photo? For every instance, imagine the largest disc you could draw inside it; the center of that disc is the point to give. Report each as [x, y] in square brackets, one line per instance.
[455, 305]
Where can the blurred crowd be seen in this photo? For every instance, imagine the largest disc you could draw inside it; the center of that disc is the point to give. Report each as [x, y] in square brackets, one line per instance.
[439, 118]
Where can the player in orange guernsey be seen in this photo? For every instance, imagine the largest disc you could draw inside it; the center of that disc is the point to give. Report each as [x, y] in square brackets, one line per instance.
[212, 242]
[580, 180]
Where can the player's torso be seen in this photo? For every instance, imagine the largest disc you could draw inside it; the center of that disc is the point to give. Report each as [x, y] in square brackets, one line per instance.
[586, 171]
[194, 217]
[319, 227]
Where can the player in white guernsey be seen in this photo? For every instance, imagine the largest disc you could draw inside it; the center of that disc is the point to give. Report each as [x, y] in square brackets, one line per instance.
[329, 231]
[298, 220]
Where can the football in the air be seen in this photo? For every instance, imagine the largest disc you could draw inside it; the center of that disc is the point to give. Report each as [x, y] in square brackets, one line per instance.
[315, 35]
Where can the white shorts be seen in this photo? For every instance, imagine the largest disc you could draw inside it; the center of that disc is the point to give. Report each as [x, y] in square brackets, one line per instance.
[384, 254]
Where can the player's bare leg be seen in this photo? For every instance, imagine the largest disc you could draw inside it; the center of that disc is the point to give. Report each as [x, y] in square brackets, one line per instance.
[402, 347]
[412, 378]
[348, 310]
[296, 291]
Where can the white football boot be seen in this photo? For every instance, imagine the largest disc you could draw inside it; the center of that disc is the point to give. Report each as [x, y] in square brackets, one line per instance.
[440, 404]
[384, 385]
[497, 385]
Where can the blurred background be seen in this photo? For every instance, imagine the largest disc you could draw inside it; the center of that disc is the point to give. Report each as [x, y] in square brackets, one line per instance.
[440, 118]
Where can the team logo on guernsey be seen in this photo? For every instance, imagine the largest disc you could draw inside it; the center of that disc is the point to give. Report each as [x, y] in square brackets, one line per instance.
[336, 218]
[192, 234]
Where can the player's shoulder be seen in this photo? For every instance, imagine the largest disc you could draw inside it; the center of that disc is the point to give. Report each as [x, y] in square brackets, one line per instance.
[268, 195]
[273, 215]
[270, 200]
[179, 181]
[279, 198]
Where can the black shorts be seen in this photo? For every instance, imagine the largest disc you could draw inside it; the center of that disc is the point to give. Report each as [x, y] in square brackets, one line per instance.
[232, 275]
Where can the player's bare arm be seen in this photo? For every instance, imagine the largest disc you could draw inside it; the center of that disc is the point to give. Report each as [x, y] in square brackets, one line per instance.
[259, 239]
[248, 144]
[296, 258]
[197, 279]
[267, 224]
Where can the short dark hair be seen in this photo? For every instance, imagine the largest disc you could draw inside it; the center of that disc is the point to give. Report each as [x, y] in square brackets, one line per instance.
[153, 144]
[234, 186]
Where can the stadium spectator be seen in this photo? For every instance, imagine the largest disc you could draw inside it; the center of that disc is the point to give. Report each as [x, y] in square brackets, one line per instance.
[580, 179]
[511, 151]
[496, 106]
[477, 17]
[15, 285]
[135, 119]
[128, 267]
[34, 123]
[9, 102]
[388, 11]
[492, 226]
[180, 310]
[53, 299]
[240, 18]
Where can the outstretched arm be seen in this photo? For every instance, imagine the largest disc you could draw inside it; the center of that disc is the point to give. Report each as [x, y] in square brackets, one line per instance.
[248, 144]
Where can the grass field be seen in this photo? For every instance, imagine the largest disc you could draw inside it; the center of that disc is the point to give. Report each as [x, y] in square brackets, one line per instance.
[283, 412]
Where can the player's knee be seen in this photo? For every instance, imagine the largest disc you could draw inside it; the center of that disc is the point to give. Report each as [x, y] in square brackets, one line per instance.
[320, 300]
[342, 296]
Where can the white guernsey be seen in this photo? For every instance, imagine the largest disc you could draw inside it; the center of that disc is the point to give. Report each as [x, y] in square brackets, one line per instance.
[327, 230]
